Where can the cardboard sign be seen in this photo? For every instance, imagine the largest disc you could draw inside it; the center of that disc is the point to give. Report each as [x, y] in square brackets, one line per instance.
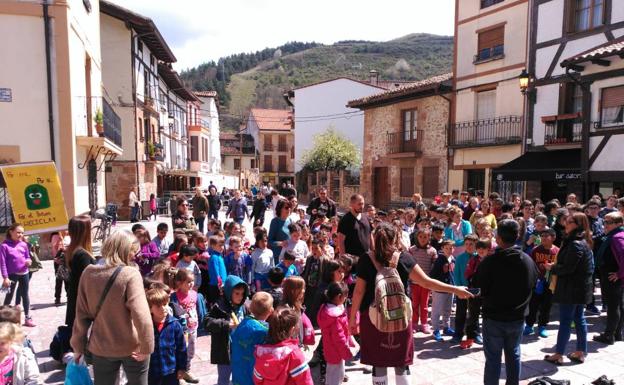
[36, 196]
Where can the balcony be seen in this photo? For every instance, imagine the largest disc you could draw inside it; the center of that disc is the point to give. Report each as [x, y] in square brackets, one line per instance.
[487, 132]
[283, 148]
[112, 123]
[404, 143]
[283, 169]
[489, 54]
[268, 168]
[563, 130]
[268, 147]
[104, 135]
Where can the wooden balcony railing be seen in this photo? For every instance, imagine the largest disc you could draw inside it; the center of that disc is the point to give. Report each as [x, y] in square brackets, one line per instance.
[563, 130]
[486, 132]
[399, 142]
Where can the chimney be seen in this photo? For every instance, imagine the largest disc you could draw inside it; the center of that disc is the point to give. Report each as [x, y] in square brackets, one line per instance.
[374, 77]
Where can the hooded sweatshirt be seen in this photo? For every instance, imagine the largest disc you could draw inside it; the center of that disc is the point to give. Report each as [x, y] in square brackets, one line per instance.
[334, 326]
[281, 364]
[249, 334]
[219, 317]
[13, 256]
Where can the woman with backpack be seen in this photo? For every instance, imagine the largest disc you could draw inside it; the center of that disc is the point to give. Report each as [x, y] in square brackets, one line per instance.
[388, 342]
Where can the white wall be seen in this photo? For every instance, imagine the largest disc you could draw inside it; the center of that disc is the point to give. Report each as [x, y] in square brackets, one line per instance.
[210, 114]
[551, 24]
[328, 99]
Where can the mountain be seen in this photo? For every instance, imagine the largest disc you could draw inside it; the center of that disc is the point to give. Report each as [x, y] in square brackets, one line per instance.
[260, 79]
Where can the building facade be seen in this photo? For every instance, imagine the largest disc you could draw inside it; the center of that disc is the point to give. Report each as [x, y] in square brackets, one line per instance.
[576, 94]
[487, 121]
[239, 160]
[209, 114]
[405, 142]
[274, 138]
[53, 103]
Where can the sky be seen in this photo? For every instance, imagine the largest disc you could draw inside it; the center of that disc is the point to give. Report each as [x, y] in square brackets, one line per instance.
[203, 30]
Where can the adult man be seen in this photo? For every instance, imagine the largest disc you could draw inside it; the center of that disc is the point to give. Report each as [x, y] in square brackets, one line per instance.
[610, 260]
[214, 203]
[200, 208]
[506, 279]
[288, 191]
[354, 230]
[592, 209]
[237, 209]
[133, 203]
[321, 206]
[610, 207]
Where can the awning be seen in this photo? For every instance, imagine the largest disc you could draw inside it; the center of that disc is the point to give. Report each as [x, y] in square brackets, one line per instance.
[559, 165]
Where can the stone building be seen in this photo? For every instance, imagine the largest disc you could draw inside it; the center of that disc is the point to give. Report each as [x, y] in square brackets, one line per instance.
[405, 144]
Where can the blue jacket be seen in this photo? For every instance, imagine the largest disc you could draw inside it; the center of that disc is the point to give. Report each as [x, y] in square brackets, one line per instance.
[169, 353]
[245, 338]
[459, 273]
[466, 229]
[216, 268]
[288, 271]
[237, 209]
[278, 232]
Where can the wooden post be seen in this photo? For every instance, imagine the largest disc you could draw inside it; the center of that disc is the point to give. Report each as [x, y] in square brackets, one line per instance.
[586, 121]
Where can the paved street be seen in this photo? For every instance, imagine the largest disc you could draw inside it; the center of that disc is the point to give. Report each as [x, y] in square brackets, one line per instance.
[435, 363]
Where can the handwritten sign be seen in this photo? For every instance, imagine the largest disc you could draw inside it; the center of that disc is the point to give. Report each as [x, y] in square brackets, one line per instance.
[36, 196]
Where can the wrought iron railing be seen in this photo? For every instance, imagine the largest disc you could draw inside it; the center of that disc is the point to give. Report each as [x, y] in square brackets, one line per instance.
[487, 3]
[399, 142]
[486, 132]
[268, 147]
[282, 148]
[112, 123]
[564, 131]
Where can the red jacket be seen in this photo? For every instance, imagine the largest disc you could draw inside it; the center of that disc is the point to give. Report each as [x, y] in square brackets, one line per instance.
[281, 364]
[335, 333]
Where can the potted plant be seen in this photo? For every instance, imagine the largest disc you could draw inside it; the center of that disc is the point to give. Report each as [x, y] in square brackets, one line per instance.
[99, 122]
[151, 149]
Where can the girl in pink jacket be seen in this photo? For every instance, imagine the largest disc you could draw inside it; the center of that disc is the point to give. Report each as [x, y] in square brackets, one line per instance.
[332, 318]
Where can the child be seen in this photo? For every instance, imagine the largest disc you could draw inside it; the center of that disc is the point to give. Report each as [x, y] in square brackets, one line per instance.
[237, 262]
[332, 318]
[187, 262]
[281, 361]
[288, 264]
[459, 278]
[296, 246]
[12, 314]
[312, 273]
[153, 207]
[276, 277]
[149, 253]
[252, 332]
[58, 251]
[224, 316]
[483, 247]
[187, 299]
[160, 240]
[179, 240]
[425, 255]
[216, 268]
[442, 302]
[294, 292]
[202, 258]
[262, 261]
[437, 234]
[17, 364]
[213, 226]
[541, 300]
[168, 361]
[533, 235]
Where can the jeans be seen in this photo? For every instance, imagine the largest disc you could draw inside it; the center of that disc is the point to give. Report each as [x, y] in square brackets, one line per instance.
[213, 213]
[420, 303]
[335, 373]
[170, 379]
[567, 314]
[224, 373]
[613, 297]
[239, 220]
[499, 337]
[540, 303]
[200, 223]
[441, 306]
[134, 214]
[106, 370]
[461, 311]
[472, 323]
[190, 349]
[22, 291]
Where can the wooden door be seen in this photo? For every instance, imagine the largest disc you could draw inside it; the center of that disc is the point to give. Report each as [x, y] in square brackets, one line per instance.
[381, 193]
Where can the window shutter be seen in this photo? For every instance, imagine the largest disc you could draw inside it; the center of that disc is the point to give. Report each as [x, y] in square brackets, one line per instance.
[613, 97]
[194, 149]
[491, 38]
[430, 181]
[407, 181]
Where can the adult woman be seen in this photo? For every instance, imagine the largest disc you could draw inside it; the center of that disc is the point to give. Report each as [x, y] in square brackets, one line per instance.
[182, 219]
[77, 258]
[473, 205]
[383, 350]
[14, 263]
[122, 331]
[200, 208]
[527, 210]
[488, 214]
[559, 225]
[573, 290]
[457, 229]
[278, 230]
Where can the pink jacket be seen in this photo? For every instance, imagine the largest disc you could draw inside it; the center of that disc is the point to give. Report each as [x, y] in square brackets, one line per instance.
[335, 332]
[307, 330]
[281, 364]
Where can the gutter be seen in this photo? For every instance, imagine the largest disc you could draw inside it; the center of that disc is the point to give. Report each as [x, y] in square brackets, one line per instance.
[47, 33]
[449, 159]
[134, 99]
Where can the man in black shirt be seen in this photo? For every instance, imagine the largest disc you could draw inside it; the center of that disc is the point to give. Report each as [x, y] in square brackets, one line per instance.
[506, 279]
[321, 206]
[354, 230]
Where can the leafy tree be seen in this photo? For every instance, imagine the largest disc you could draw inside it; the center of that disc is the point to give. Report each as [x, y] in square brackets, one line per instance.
[331, 152]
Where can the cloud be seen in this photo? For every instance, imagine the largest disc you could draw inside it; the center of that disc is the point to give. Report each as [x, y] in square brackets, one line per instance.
[202, 30]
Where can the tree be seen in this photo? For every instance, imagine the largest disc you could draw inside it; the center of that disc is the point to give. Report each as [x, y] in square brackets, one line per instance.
[331, 152]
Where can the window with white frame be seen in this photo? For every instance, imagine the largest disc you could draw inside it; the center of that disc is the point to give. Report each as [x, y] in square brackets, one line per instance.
[612, 107]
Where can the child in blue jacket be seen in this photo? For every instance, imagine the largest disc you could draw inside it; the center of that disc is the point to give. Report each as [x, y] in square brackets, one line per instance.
[216, 268]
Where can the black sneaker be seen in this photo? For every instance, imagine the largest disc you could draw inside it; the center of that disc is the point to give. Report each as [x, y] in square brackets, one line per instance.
[57, 302]
[603, 380]
[604, 339]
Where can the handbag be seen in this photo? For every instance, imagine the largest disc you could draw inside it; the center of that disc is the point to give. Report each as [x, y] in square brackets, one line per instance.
[77, 374]
[62, 272]
[87, 354]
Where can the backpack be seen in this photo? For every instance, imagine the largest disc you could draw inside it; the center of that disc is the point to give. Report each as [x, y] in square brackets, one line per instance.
[391, 309]
[60, 343]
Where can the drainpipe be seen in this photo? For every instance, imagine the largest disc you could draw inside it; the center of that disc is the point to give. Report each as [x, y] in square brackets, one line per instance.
[47, 33]
[586, 122]
[448, 139]
[134, 99]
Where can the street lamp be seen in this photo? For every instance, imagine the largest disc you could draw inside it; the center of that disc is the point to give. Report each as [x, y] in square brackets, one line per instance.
[524, 81]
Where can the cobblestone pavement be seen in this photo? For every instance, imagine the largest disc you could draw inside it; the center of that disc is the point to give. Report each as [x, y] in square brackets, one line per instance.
[437, 363]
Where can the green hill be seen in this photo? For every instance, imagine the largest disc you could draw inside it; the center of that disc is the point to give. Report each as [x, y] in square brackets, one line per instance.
[260, 79]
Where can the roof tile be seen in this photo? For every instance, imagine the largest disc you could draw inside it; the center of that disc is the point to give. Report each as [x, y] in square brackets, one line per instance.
[270, 119]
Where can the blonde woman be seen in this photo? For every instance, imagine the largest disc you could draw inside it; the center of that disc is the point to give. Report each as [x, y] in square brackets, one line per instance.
[121, 331]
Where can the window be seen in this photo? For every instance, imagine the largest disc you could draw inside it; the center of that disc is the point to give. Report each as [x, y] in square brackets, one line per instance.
[571, 98]
[486, 104]
[430, 182]
[268, 142]
[282, 163]
[268, 163]
[585, 14]
[612, 108]
[491, 44]
[407, 181]
[252, 163]
[489, 3]
[410, 125]
[194, 149]
[282, 143]
[237, 163]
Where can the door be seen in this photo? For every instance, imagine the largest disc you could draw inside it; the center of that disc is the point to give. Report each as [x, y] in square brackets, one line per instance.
[475, 179]
[381, 192]
[486, 111]
[92, 183]
[410, 131]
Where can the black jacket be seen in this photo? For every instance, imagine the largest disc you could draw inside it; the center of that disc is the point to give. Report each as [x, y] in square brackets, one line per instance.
[574, 270]
[506, 279]
[214, 202]
[328, 209]
[80, 260]
[217, 323]
[259, 208]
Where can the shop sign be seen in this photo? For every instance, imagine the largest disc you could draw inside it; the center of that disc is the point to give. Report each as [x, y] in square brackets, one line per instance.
[36, 196]
[567, 175]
